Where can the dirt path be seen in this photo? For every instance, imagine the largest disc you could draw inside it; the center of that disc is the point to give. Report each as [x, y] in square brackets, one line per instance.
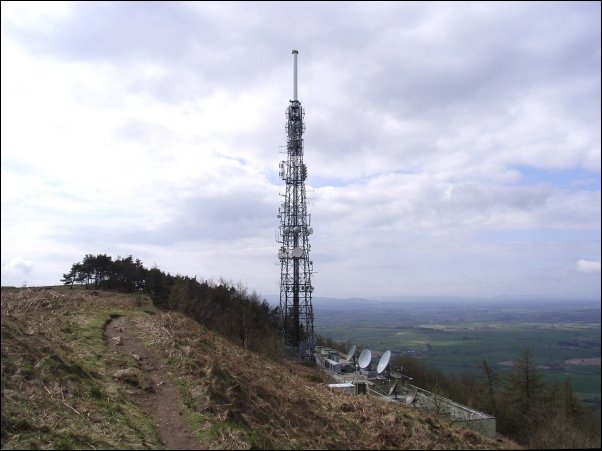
[163, 404]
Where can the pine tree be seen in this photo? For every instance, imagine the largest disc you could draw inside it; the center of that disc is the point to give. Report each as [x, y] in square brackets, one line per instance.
[492, 381]
[524, 397]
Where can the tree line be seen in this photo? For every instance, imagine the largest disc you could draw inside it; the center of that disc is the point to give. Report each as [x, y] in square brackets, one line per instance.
[102, 272]
[527, 409]
[229, 309]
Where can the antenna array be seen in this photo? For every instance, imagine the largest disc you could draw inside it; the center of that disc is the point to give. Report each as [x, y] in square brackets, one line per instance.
[297, 318]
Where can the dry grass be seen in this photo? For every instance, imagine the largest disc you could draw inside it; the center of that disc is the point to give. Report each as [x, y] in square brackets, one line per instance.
[240, 400]
[58, 391]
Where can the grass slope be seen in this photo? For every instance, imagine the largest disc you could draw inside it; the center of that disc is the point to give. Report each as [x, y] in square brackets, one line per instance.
[58, 391]
[57, 386]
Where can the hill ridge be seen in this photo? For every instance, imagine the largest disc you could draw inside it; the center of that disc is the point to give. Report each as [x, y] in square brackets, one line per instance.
[54, 354]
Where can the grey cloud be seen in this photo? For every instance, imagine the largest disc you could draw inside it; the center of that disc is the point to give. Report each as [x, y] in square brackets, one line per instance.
[401, 202]
[446, 66]
[230, 215]
[479, 77]
[483, 57]
[122, 31]
[18, 266]
[198, 50]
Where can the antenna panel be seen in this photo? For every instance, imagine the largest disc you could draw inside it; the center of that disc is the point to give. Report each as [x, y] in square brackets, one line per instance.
[365, 358]
[383, 362]
[393, 387]
[351, 353]
[411, 397]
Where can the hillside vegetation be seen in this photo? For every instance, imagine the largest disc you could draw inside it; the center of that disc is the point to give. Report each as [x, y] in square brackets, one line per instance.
[60, 390]
[230, 310]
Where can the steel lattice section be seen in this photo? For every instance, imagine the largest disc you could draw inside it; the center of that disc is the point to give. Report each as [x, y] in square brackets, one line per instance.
[297, 320]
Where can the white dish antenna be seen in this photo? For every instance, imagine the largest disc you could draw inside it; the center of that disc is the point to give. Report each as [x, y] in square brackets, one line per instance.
[383, 362]
[411, 397]
[297, 252]
[365, 358]
[351, 353]
[310, 231]
[287, 230]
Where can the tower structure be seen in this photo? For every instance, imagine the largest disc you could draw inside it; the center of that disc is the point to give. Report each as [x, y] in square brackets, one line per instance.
[297, 318]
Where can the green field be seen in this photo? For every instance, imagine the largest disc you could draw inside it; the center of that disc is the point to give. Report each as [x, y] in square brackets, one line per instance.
[457, 338]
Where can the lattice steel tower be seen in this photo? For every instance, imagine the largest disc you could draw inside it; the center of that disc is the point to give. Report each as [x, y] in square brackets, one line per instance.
[297, 317]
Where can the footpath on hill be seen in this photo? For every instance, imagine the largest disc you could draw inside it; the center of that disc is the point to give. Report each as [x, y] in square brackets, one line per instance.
[93, 370]
[161, 401]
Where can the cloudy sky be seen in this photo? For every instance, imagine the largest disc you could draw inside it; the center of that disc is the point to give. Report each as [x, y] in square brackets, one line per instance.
[453, 149]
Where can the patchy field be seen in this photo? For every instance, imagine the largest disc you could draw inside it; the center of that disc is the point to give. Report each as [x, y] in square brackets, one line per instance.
[458, 337]
[584, 361]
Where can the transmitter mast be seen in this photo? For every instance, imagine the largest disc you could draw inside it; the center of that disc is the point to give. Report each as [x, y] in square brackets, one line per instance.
[297, 317]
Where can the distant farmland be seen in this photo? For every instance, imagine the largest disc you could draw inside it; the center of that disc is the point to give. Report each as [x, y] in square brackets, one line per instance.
[457, 336]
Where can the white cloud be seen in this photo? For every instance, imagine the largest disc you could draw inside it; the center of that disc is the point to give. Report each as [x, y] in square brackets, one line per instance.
[35, 14]
[588, 266]
[17, 268]
[425, 127]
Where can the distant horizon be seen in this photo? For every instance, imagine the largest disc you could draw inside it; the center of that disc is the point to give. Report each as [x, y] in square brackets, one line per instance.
[391, 298]
[450, 298]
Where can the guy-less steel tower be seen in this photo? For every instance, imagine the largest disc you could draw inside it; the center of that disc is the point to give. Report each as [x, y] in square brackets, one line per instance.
[297, 317]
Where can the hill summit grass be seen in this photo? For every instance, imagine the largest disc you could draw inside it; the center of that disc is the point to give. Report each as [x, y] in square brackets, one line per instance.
[59, 389]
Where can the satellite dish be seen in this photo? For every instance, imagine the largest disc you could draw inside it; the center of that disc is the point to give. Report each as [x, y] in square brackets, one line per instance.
[411, 397]
[383, 362]
[365, 358]
[287, 229]
[310, 231]
[393, 387]
[296, 229]
[297, 252]
[351, 353]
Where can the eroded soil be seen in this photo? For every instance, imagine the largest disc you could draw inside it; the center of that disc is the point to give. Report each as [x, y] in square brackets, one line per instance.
[161, 402]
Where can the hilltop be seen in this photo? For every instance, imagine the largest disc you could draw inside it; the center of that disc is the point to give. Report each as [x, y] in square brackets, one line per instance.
[91, 369]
